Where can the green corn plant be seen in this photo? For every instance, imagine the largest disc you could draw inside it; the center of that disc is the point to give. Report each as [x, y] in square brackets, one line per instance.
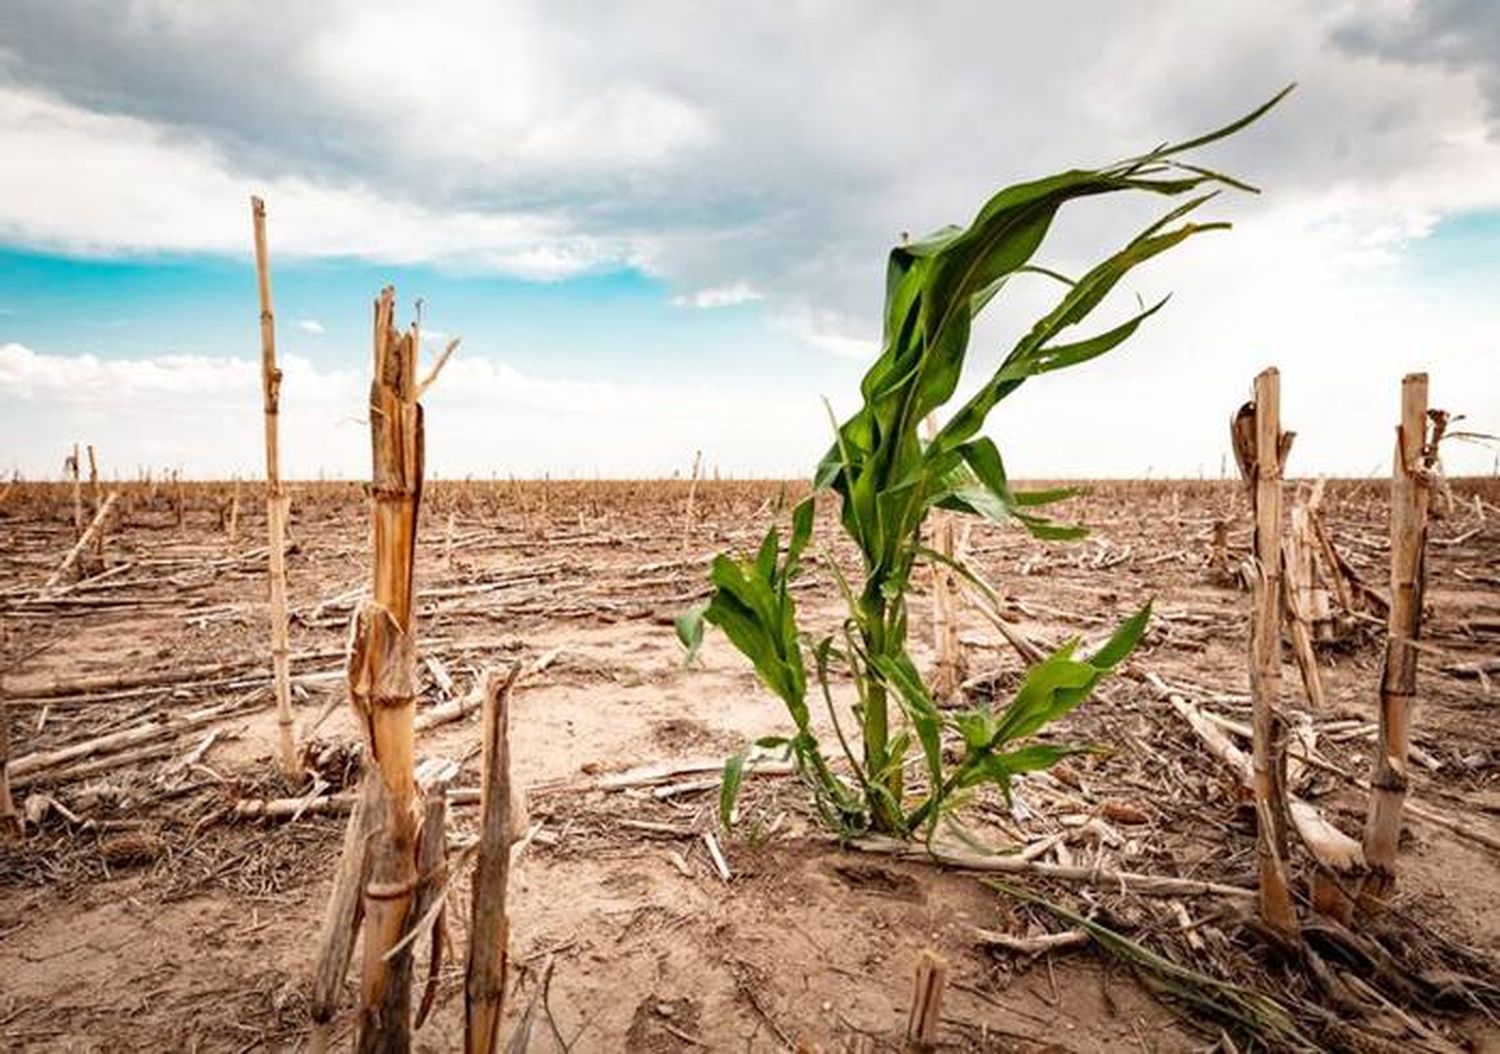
[888, 478]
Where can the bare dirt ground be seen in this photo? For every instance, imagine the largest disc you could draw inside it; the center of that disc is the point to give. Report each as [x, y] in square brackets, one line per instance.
[140, 913]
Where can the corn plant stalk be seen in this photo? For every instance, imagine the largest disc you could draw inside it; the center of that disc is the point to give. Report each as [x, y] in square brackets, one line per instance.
[949, 670]
[382, 678]
[489, 926]
[1411, 495]
[1268, 754]
[94, 531]
[10, 820]
[276, 501]
[888, 479]
[948, 666]
[432, 881]
[232, 526]
[96, 496]
[687, 512]
[1299, 600]
[926, 1014]
[342, 915]
[73, 472]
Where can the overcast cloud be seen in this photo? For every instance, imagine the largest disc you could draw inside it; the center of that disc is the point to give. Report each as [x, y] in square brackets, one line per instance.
[770, 154]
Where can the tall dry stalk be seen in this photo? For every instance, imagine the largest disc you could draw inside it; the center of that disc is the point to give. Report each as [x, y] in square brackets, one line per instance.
[949, 672]
[383, 679]
[948, 667]
[73, 471]
[10, 820]
[1411, 496]
[489, 926]
[96, 497]
[276, 502]
[95, 530]
[342, 915]
[94, 493]
[692, 494]
[1262, 455]
[232, 527]
[1303, 602]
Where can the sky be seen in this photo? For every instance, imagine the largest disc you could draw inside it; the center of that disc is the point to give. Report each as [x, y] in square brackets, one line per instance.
[661, 228]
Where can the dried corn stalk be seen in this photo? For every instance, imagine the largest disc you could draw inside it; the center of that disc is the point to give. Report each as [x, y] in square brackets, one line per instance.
[1411, 495]
[489, 925]
[948, 669]
[276, 501]
[383, 679]
[1261, 449]
[10, 820]
[1307, 608]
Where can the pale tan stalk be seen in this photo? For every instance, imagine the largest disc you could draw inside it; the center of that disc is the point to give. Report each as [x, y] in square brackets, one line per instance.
[925, 1016]
[343, 914]
[383, 680]
[96, 496]
[73, 470]
[948, 673]
[95, 531]
[1300, 594]
[276, 503]
[489, 927]
[687, 512]
[10, 820]
[1268, 756]
[950, 670]
[233, 527]
[1411, 495]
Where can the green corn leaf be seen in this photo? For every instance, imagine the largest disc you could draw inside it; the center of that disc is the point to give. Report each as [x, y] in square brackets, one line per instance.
[1052, 688]
[1047, 530]
[1031, 498]
[1123, 641]
[729, 788]
[1037, 756]
[1227, 130]
[972, 499]
[983, 458]
[977, 727]
[689, 626]
[765, 560]
[897, 748]
[802, 527]
[763, 630]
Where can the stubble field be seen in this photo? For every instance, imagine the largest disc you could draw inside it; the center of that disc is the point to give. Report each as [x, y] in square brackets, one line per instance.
[146, 907]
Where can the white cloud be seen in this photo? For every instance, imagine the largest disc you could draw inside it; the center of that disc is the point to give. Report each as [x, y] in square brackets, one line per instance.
[831, 332]
[83, 182]
[843, 346]
[311, 325]
[548, 140]
[720, 296]
[507, 84]
[203, 414]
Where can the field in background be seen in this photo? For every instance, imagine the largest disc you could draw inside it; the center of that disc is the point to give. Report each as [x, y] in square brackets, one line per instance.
[141, 904]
